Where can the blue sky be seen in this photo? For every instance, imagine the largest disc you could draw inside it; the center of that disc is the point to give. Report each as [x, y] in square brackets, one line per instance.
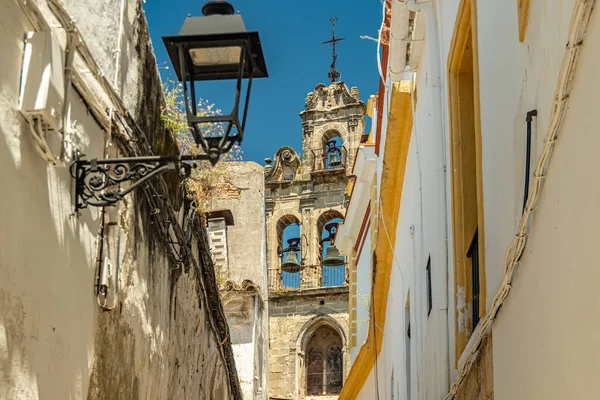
[291, 33]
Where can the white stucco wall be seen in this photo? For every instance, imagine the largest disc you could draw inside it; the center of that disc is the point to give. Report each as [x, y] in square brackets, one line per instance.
[244, 362]
[423, 231]
[544, 340]
[363, 296]
[545, 337]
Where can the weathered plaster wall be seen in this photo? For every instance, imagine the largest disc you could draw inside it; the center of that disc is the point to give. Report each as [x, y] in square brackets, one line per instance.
[245, 198]
[248, 323]
[162, 340]
[245, 303]
[479, 384]
[158, 342]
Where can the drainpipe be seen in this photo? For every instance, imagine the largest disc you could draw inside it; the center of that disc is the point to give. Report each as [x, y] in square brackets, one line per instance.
[528, 118]
[256, 380]
[416, 6]
[398, 41]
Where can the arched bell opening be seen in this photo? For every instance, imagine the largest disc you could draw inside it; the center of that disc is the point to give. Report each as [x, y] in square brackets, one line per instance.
[333, 151]
[333, 269]
[289, 250]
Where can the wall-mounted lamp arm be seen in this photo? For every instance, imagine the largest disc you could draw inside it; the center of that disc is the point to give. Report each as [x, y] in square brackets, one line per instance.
[96, 180]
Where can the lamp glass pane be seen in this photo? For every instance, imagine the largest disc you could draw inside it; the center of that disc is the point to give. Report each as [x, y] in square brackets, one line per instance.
[216, 55]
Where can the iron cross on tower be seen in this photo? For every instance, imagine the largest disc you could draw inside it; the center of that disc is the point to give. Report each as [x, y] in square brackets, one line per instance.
[333, 73]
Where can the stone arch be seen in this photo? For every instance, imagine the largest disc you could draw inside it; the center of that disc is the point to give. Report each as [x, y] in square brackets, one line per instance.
[282, 223]
[331, 134]
[310, 326]
[329, 275]
[306, 333]
[325, 217]
[275, 220]
[281, 219]
[333, 145]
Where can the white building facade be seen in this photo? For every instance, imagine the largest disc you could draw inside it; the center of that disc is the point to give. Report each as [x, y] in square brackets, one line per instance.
[472, 290]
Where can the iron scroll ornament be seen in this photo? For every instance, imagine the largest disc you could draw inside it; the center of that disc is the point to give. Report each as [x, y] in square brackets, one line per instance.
[97, 181]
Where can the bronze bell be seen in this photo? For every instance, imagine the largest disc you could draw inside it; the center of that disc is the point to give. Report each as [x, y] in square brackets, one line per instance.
[332, 257]
[334, 160]
[290, 262]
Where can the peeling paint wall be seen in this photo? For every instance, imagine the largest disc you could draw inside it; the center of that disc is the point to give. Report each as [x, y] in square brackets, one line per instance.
[479, 384]
[163, 339]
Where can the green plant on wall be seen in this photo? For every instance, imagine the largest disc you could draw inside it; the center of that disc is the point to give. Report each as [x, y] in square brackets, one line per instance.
[206, 182]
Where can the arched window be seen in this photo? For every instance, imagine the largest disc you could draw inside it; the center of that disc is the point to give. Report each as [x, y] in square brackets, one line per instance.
[332, 275]
[288, 228]
[324, 363]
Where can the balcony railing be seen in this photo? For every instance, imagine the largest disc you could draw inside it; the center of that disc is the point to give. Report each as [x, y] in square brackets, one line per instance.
[322, 159]
[311, 277]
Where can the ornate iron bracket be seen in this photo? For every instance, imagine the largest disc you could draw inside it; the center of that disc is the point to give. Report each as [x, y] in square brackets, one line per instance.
[97, 181]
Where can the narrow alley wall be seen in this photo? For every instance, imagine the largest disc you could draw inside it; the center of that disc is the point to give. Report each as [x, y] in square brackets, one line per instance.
[163, 333]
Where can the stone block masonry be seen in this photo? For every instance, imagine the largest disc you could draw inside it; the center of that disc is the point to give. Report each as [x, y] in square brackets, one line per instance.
[289, 318]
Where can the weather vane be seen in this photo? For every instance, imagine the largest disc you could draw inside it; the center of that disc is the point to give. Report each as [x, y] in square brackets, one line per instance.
[333, 73]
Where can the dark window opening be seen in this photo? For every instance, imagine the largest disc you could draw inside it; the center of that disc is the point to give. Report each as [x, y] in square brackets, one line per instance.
[429, 288]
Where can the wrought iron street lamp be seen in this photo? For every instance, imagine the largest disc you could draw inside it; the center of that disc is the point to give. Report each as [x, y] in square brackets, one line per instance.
[216, 46]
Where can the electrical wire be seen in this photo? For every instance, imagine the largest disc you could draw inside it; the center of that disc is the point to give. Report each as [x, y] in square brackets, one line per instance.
[579, 22]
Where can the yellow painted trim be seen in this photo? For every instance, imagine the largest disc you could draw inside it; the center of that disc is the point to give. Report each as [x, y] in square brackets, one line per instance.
[465, 28]
[370, 105]
[394, 164]
[353, 288]
[523, 12]
[370, 108]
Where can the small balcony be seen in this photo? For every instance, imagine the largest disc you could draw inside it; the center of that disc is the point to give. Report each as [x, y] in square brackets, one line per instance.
[329, 159]
[311, 277]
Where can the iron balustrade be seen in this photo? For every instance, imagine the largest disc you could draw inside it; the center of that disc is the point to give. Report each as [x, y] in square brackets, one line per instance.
[321, 158]
[311, 277]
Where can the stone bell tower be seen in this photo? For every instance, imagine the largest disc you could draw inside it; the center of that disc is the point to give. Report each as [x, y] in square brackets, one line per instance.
[306, 195]
[330, 112]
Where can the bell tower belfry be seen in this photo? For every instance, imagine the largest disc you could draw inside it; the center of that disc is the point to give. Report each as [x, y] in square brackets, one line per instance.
[305, 199]
[332, 113]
